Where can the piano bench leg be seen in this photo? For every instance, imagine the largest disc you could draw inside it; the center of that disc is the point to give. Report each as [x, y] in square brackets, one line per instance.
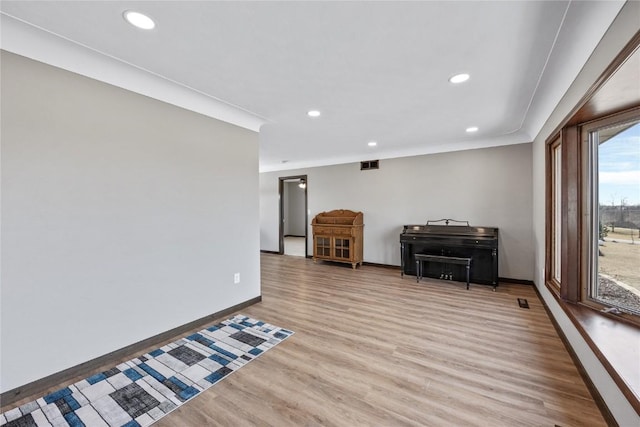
[468, 268]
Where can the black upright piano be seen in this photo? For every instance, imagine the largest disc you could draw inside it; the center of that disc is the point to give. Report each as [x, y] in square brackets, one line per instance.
[444, 238]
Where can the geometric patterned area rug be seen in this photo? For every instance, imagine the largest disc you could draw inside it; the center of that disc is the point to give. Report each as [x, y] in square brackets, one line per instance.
[144, 389]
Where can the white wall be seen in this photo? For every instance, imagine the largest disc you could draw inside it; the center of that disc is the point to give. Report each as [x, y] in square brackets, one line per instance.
[490, 187]
[294, 209]
[122, 217]
[285, 208]
[620, 32]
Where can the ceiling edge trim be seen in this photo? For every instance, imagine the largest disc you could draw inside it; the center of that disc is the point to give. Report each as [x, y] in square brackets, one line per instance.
[593, 26]
[32, 42]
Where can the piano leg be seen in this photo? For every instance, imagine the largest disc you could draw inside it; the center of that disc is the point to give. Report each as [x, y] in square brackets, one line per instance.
[402, 260]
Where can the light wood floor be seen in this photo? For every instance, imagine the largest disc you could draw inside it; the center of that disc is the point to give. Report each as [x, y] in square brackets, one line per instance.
[373, 349]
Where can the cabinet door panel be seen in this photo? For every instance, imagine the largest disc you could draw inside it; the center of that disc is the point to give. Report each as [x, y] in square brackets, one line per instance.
[323, 246]
[343, 248]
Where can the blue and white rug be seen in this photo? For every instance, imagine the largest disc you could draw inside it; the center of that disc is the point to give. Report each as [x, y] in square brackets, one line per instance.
[144, 389]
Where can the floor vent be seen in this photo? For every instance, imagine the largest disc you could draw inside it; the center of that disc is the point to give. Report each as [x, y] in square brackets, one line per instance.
[522, 302]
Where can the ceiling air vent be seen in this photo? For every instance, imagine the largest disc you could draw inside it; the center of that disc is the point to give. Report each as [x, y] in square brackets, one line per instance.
[369, 164]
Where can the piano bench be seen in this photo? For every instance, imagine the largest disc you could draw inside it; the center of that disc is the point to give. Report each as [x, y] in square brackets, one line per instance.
[420, 258]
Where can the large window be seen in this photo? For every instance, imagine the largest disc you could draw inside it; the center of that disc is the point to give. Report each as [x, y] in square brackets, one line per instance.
[593, 195]
[593, 215]
[613, 226]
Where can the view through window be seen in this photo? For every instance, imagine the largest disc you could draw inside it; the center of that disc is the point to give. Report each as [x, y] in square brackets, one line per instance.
[615, 189]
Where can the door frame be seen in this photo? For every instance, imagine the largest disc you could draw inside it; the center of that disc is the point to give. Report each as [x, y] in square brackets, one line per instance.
[281, 181]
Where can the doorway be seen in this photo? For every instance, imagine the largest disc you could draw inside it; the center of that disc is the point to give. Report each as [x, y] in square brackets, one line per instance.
[292, 191]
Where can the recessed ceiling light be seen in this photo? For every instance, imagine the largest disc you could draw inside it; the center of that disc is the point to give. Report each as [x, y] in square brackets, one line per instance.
[459, 78]
[472, 129]
[313, 113]
[372, 143]
[139, 20]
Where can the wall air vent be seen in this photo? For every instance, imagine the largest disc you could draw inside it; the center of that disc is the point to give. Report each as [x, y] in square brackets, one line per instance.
[369, 164]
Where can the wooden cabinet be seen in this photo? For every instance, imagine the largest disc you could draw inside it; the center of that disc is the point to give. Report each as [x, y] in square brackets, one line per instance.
[337, 236]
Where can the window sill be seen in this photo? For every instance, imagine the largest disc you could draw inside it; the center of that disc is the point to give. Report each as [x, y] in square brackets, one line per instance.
[615, 343]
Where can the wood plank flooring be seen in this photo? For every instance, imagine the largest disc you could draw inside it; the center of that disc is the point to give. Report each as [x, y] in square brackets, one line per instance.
[371, 348]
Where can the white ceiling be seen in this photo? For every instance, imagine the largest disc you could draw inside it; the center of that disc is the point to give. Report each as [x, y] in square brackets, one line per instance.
[376, 70]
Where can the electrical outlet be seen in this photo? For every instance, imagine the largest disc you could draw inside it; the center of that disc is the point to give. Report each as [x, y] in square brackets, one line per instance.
[236, 278]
